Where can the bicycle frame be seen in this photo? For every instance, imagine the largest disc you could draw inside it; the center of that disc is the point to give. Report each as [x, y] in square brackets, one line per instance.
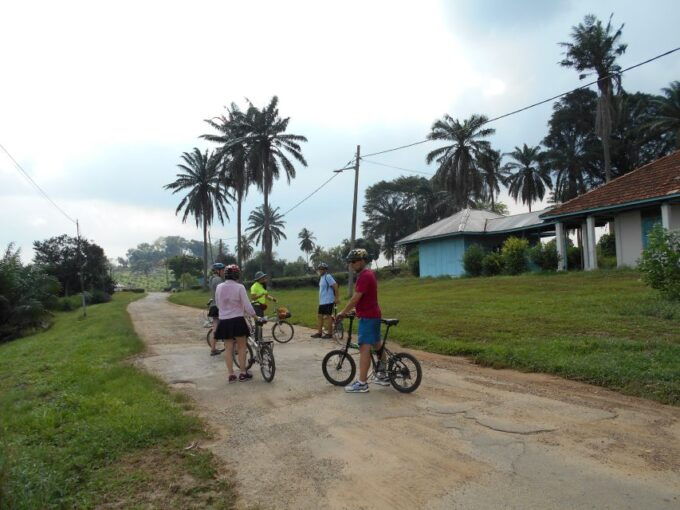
[375, 359]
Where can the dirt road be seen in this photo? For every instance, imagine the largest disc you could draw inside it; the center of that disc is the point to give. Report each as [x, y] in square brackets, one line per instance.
[469, 438]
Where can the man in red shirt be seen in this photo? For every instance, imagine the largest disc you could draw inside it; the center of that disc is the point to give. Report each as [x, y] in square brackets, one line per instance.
[365, 300]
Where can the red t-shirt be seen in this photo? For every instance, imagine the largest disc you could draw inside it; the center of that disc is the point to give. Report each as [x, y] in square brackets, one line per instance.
[367, 307]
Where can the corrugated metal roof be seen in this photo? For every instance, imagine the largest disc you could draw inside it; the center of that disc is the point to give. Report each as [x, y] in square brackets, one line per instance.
[475, 221]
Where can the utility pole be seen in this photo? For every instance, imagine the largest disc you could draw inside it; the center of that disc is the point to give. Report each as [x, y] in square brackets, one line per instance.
[80, 272]
[350, 279]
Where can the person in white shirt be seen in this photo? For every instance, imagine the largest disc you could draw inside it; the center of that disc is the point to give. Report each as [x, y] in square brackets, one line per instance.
[233, 304]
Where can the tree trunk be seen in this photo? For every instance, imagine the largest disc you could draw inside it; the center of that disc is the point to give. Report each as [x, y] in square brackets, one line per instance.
[205, 252]
[239, 243]
[266, 241]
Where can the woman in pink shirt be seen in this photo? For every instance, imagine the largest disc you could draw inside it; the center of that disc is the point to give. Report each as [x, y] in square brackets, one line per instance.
[233, 303]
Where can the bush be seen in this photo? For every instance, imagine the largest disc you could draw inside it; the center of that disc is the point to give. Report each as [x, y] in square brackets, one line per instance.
[607, 245]
[492, 264]
[660, 262]
[544, 256]
[99, 296]
[472, 260]
[414, 263]
[573, 257]
[514, 253]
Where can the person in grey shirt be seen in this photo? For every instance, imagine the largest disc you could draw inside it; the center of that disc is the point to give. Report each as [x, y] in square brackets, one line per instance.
[328, 298]
[213, 312]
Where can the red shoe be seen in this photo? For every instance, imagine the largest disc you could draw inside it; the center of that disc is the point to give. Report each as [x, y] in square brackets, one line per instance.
[232, 378]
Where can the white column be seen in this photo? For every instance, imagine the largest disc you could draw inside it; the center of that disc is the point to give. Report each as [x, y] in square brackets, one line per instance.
[666, 216]
[592, 245]
[560, 241]
[585, 253]
[618, 237]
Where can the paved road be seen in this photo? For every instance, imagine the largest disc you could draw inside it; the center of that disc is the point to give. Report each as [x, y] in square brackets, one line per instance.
[469, 438]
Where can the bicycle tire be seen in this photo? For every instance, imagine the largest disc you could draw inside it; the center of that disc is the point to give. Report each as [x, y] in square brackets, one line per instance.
[398, 372]
[333, 363]
[268, 365]
[283, 331]
[339, 333]
[207, 337]
[250, 356]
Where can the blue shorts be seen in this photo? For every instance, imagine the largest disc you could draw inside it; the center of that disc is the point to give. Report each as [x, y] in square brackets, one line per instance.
[369, 331]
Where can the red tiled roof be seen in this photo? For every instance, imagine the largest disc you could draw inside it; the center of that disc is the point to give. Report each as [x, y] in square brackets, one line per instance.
[654, 180]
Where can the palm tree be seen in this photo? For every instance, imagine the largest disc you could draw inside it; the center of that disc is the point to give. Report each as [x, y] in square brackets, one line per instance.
[205, 198]
[266, 227]
[246, 249]
[492, 176]
[594, 49]
[306, 242]
[668, 118]
[388, 220]
[530, 177]
[235, 173]
[268, 147]
[459, 163]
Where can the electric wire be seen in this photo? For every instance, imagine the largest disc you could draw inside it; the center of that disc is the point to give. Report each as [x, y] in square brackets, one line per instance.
[514, 112]
[35, 184]
[397, 167]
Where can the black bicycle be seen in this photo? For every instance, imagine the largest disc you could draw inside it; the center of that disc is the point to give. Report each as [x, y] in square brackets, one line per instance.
[259, 351]
[208, 324]
[403, 370]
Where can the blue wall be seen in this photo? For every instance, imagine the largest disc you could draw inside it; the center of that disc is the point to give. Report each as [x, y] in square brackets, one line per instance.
[442, 257]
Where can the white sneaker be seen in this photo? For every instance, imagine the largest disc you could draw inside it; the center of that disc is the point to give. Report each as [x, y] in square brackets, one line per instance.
[357, 387]
[381, 379]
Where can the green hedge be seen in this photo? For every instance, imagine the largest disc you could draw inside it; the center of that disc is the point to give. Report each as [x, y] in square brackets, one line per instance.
[294, 282]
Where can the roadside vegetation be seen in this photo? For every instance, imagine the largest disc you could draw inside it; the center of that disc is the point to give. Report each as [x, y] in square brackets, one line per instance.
[603, 327]
[81, 428]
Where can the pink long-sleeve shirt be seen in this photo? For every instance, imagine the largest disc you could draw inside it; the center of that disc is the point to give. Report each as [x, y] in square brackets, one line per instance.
[232, 301]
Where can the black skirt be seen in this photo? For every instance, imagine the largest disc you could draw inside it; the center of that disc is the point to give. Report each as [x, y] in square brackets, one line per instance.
[229, 329]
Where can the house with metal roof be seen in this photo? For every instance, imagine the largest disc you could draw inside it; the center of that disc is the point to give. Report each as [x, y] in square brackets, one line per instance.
[441, 245]
[634, 202]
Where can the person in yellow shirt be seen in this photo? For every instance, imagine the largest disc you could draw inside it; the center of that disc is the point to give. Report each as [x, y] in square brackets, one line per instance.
[259, 294]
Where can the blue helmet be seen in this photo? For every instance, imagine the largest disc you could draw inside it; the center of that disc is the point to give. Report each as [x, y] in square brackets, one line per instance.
[217, 266]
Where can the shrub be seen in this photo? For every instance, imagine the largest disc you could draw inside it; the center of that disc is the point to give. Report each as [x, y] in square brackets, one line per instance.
[99, 296]
[492, 264]
[414, 263]
[514, 253]
[573, 257]
[607, 245]
[545, 256]
[472, 260]
[660, 262]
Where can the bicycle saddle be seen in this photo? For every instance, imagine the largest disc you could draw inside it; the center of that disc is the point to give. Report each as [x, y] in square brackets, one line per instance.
[391, 322]
[261, 320]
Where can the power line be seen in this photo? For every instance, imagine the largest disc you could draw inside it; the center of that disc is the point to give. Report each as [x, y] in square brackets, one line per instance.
[35, 185]
[619, 73]
[397, 167]
[345, 167]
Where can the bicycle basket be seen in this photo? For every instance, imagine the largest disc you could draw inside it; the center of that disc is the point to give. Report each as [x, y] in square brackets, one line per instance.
[282, 312]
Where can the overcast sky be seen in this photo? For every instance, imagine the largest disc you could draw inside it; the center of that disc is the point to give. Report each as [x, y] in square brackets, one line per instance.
[99, 99]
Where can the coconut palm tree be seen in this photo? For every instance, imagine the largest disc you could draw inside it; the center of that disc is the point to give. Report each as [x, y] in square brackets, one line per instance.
[235, 172]
[247, 249]
[459, 163]
[268, 149]
[668, 118]
[266, 227]
[594, 49]
[205, 198]
[306, 242]
[493, 174]
[388, 220]
[528, 177]
[317, 255]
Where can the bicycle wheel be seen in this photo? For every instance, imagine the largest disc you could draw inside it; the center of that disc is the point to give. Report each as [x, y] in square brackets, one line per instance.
[404, 372]
[268, 366]
[250, 357]
[338, 368]
[339, 333]
[282, 331]
[208, 337]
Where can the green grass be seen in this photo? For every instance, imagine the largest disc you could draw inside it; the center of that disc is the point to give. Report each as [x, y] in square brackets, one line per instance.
[604, 327]
[80, 427]
[156, 281]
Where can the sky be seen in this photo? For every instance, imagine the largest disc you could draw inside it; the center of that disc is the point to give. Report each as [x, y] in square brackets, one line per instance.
[98, 100]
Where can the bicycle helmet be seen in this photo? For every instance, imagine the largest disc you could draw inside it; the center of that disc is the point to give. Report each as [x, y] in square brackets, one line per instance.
[357, 254]
[217, 266]
[233, 271]
[322, 265]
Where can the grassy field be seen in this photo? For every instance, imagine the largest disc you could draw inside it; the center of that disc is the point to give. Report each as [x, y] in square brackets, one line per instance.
[156, 281]
[81, 428]
[604, 327]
